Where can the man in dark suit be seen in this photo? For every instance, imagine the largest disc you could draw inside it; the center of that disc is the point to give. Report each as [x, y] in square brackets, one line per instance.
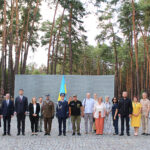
[21, 108]
[125, 111]
[7, 111]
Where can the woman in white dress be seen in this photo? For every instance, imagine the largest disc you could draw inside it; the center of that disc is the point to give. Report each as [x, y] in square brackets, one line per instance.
[99, 115]
[108, 117]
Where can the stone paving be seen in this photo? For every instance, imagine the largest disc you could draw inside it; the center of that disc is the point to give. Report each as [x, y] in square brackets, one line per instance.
[84, 142]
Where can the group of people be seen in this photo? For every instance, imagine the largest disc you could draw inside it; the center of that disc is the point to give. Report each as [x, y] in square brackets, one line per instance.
[99, 116]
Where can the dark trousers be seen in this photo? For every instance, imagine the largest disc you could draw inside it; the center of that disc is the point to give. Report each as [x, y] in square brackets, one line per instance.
[21, 121]
[34, 123]
[127, 123]
[47, 125]
[6, 120]
[115, 124]
[60, 122]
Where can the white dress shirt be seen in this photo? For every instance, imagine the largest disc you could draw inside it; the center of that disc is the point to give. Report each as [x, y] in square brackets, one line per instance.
[88, 105]
[7, 101]
[34, 108]
[21, 97]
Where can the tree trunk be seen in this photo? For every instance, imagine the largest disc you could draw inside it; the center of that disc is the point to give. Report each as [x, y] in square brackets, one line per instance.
[57, 44]
[16, 43]
[116, 63]
[25, 38]
[10, 61]
[51, 35]
[146, 45]
[52, 57]
[98, 66]
[70, 41]
[64, 60]
[136, 50]
[131, 64]
[30, 36]
[3, 49]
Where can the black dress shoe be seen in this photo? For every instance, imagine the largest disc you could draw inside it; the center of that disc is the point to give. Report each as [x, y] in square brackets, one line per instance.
[59, 134]
[128, 134]
[23, 134]
[48, 134]
[79, 134]
[121, 134]
[45, 134]
[146, 134]
[4, 134]
[9, 134]
[73, 133]
[64, 134]
[18, 134]
[143, 134]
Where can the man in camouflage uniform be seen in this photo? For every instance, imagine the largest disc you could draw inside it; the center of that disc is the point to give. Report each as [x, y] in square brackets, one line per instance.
[48, 114]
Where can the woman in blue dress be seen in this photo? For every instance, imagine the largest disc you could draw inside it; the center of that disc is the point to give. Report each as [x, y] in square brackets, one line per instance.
[115, 115]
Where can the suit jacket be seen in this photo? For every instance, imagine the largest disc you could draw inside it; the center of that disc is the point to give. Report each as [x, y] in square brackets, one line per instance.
[7, 110]
[125, 107]
[21, 106]
[62, 109]
[31, 109]
[48, 109]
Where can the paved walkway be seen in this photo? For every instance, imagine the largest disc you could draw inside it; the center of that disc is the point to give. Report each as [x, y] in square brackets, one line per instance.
[85, 142]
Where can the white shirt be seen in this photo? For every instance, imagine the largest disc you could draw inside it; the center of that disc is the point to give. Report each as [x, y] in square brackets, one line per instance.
[7, 101]
[99, 108]
[34, 108]
[21, 97]
[40, 113]
[88, 105]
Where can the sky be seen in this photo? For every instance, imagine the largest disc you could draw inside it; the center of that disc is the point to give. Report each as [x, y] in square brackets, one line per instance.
[90, 24]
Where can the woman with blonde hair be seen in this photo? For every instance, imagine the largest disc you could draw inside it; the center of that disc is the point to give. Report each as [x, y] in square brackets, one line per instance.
[34, 109]
[99, 115]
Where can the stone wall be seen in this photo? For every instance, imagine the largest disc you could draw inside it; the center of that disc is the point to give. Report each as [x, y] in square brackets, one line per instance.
[40, 85]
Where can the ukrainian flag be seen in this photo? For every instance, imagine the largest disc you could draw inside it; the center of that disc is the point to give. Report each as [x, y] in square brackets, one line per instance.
[63, 88]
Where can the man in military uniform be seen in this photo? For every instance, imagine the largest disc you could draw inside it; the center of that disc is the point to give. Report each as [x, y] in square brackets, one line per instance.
[48, 114]
[62, 113]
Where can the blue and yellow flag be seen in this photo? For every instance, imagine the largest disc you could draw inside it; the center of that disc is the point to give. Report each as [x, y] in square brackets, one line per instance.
[63, 88]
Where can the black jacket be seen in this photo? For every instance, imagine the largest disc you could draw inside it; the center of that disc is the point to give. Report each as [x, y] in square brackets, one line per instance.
[21, 106]
[125, 107]
[7, 110]
[31, 109]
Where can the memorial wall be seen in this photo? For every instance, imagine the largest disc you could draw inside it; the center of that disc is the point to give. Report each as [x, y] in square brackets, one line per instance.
[40, 85]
